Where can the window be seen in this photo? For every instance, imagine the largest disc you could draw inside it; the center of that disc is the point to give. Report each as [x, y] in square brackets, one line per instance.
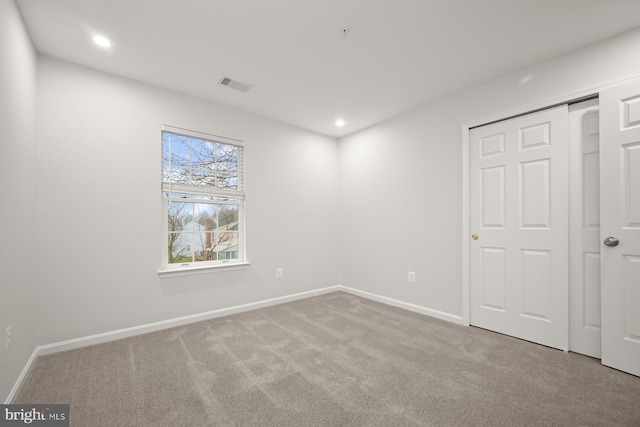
[203, 195]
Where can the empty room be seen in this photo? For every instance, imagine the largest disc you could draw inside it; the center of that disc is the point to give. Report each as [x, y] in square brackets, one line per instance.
[320, 213]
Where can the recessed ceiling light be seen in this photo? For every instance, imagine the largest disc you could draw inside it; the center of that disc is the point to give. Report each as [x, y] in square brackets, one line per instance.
[101, 41]
[340, 123]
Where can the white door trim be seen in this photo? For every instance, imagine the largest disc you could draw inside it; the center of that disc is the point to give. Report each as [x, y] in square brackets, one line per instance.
[465, 168]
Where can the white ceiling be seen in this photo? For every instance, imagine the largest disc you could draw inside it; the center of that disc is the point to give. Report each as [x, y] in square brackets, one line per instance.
[398, 54]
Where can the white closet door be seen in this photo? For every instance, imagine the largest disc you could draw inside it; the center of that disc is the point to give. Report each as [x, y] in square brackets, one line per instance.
[620, 219]
[584, 228]
[519, 211]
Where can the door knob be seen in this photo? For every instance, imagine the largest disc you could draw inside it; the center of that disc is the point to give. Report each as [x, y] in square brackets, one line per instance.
[611, 242]
[474, 237]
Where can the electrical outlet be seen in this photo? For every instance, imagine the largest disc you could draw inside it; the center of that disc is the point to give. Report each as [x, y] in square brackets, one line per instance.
[8, 337]
[278, 273]
[412, 277]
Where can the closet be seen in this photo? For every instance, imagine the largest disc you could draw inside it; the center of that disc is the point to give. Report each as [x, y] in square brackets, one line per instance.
[554, 221]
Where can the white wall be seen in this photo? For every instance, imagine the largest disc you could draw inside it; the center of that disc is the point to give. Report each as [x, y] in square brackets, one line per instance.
[401, 181]
[17, 194]
[361, 212]
[99, 217]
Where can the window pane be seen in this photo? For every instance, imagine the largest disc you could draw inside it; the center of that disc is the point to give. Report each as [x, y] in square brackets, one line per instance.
[203, 177]
[199, 162]
[225, 242]
[176, 155]
[203, 211]
[226, 166]
[202, 153]
[179, 215]
[166, 163]
[228, 216]
[180, 247]
[204, 248]
[205, 222]
[202, 231]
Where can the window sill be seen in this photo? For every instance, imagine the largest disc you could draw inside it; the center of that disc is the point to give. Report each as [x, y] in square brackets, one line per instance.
[203, 270]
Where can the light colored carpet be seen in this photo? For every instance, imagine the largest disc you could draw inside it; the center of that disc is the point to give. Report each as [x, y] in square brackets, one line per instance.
[331, 360]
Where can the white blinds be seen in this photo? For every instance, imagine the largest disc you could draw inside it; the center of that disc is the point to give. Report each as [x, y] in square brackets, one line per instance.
[199, 163]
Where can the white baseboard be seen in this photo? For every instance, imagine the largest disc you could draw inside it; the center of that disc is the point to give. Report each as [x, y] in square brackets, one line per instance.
[185, 320]
[405, 305]
[23, 376]
[172, 323]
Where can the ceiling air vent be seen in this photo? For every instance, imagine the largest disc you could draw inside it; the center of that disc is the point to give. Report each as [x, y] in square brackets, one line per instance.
[234, 84]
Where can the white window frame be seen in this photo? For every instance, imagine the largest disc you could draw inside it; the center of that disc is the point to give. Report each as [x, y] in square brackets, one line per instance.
[228, 197]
